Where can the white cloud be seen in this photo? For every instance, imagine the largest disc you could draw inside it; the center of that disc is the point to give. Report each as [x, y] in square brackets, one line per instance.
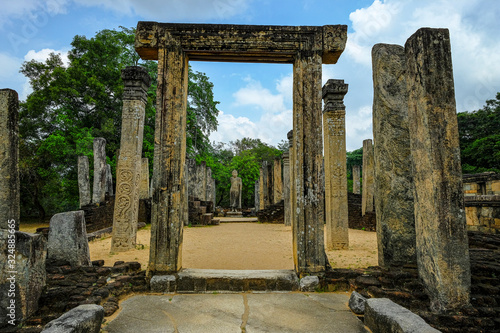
[35, 12]
[174, 9]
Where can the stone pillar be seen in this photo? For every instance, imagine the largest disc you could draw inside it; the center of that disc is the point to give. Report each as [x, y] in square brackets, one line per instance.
[257, 198]
[214, 191]
[9, 159]
[170, 157]
[136, 82]
[442, 244]
[109, 181]
[286, 187]
[308, 238]
[185, 197]
[200, 181]
[28, 270]
[262, 202]
[392, 158]
[336, 216]
[83, 180]
[99, 188]
[291, 157]
[144, 187]
[67, 242]
[209, 187]
[368, 178]
[191, 176]
[277, 181]
[356, 184]
[265, 185]
[270, 184]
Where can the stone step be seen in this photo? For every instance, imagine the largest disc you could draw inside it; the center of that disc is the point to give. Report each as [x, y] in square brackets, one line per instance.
[211, 280]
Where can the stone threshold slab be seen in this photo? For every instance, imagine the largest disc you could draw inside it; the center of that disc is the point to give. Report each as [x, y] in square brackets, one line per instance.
[237, 219]
[208, 280]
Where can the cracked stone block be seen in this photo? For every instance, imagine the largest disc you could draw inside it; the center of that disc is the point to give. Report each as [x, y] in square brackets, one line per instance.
[84, 318]
[163, 283]
[357, 303]
[309, 283]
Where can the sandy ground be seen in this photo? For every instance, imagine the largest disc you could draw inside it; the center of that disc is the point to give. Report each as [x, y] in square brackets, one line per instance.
[242, 246]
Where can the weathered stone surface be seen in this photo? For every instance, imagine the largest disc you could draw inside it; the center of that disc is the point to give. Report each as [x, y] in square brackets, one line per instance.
[144, 187]
[356, 184]
[442, 245]
[256, 194]
[264, 198]
[109, 181]
[291, 155]
[368, 178]
[163, 284]
[136, 82]
[286, 188]
[21, 279]
[9, 158]
[99, 188]
[210, 189]
[336, 213]
[392, 158]
[277, 181]
[270, 184]
[357, 303]
[83, 180]
[67, 242]
[235, 191]
[86, 318]
[170, 157]
[309, 283]
[383, 315]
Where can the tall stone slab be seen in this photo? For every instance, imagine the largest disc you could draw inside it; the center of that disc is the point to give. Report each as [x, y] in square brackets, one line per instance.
[367, 199]
[67, 242]
[109, 181]
[392, 157]
[265, 185]
[170, 157]
[136, 82]
[442, 244]
[270, 185]
[261, 189]
[307, 225]
[336, 215]
[200, 184]
[99, 188]
[185, 197]
[21, 280]
[144, 187]
[9, 158]
[286, 188]
[256, 195]
[356, 183]
[277, 181]
[83, 180]
[292, 185]
[191, 176]
[210, 191]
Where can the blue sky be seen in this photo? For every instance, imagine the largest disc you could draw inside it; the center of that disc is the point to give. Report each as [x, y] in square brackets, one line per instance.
[256, 98]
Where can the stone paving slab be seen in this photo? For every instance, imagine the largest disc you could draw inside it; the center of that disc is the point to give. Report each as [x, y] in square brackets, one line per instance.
[243, 312]
[236, 219]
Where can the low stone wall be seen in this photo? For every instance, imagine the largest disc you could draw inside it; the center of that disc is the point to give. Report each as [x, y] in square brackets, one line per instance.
[483, 213]
[274, 213]
[356, 221]
[100, 216]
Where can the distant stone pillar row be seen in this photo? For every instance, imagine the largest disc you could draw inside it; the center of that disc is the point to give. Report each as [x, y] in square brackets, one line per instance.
[441, 235]
[392, 157]
[277, 181]
[368, 178]
[256, 194]
[136, 82]
[336, 216]
[9, 159]
[99, 188]
[286, 187]
[269, 184]
[261, 188]
[356, 184]
[83, 180]
[144, 188]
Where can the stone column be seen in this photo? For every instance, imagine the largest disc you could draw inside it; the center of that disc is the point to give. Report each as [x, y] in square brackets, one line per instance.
[9, 159]
[336, 216]
[356, 184]
[277, 181]
[286, 187]
[83, 180]
[262, 202]
[200, 181]
[392, 158]
[291, 157]
[308, 238]
[185, 197]
[265, 185]
[170, 157]
[442, 244]
[257, 197]
[144, 187]
[136, 82]
[368, 178]
[191, 176]
[99, 188]
[109, 181]
[209, 188]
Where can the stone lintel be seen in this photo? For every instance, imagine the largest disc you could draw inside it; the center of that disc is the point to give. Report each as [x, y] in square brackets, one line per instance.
[241, 43]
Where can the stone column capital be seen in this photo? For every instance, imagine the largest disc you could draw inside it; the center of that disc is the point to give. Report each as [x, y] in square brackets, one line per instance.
[136, 82]
[289, 136]
[333, 95]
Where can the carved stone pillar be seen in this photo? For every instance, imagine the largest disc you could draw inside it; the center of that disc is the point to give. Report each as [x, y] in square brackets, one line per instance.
[136, 82]
[277, 181]
[442, 244]
[261, 189]
[308, 238]
[368, 178]
[83, 180]
[291, 157]
[337, 221]
[99, 188]
[256, 195]
[144, 187]
[356, 184]
[286, 187]
[170, 157]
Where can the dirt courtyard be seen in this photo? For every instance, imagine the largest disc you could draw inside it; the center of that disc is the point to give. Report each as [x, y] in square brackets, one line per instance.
[241, 246]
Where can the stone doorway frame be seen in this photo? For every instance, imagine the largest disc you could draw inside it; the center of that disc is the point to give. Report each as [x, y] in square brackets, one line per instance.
[174, 45]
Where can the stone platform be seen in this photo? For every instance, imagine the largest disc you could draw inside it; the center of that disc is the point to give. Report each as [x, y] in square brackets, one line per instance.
[229, 219]
[211, 280]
